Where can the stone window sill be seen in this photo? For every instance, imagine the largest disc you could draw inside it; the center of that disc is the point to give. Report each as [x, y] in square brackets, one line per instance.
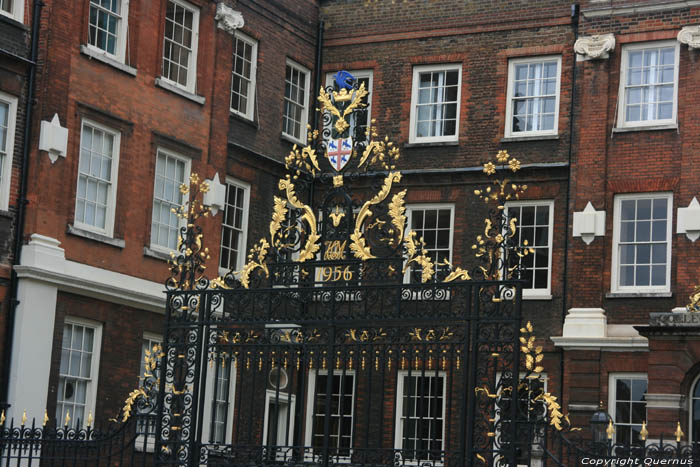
[13, 21]
[672, 126]
[104, 58]
[161, 83]
[291, 140]
[8, 214]
[537, 297]
[244, 119]
[433, 144]
[156, 254]
[638, 295]
[515, 139]
[78, 232]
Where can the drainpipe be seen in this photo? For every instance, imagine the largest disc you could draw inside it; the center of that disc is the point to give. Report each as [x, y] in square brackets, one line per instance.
[317, 86]
[21, 206]
[575, 16]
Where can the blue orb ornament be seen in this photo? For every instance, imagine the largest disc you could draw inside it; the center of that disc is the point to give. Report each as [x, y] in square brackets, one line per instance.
[344, 80]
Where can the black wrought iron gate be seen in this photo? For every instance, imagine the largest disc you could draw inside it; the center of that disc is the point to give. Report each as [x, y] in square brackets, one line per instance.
[365, 375]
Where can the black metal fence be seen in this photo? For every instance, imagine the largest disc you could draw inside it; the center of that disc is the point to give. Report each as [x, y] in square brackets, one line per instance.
[114, 444]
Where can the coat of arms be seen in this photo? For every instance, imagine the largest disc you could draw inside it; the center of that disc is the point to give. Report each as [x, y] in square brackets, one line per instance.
[340, 103]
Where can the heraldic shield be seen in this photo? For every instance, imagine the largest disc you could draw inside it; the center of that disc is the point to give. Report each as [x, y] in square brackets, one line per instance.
[340, 103]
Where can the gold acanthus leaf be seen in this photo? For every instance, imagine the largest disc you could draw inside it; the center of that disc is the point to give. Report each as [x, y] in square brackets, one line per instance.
[458, 274]
[279, 214]
[311, 246]
[357, 244]
[130, 401]
[396, 211]
[417, 254]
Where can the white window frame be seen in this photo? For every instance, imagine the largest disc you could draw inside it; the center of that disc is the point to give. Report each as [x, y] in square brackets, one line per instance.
[243, 238]
[622, 94]
[509, 133]
[91, 391]
[359, 74]
[122, 34]
[185, 198]
[428, 206]
[192, 60]
[398, 435]
[252, 91]
[612, 388]
[6, 169]
[310, 407]
[305, 112]
[615, 272]
[691, 426]
[417, 70]
[112, 193]
[546, 293]
[17, 12]
[208, 392]
[280, 396]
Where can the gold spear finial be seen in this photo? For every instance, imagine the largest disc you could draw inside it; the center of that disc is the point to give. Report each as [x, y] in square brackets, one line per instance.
[610, 431]
[67, 421]
[2, 418]
[46, 417]
[679, 433]
[644, 432]
[24, 418]
[89, 420]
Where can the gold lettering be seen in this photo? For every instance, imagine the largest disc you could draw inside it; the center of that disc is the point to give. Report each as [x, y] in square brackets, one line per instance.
[335, 250]
[336, 273]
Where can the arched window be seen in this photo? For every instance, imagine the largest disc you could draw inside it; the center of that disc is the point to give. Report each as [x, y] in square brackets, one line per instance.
[694, 410]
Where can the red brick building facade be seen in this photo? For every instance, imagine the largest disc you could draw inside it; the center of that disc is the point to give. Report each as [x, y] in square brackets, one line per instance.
[152, 91]
[139, 109]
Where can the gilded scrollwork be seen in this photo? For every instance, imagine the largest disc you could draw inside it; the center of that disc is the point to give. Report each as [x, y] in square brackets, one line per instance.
[256, 260]
[365, 335]
[358, 244]
[312, 245]
[430, 335]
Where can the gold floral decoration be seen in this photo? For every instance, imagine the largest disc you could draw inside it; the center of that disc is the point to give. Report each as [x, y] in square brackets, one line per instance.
[499, 233]
[382, 152]
[187, 268]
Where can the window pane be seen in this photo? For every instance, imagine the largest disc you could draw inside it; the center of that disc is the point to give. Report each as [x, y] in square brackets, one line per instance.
[534, 85]
[170, 175]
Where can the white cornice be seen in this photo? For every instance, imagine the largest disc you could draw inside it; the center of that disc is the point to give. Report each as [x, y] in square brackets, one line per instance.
[44, 261]
[609, 344]
[634, 9]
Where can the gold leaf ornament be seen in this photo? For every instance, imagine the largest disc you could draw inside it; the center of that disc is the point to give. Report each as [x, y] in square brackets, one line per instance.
[358, 245]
